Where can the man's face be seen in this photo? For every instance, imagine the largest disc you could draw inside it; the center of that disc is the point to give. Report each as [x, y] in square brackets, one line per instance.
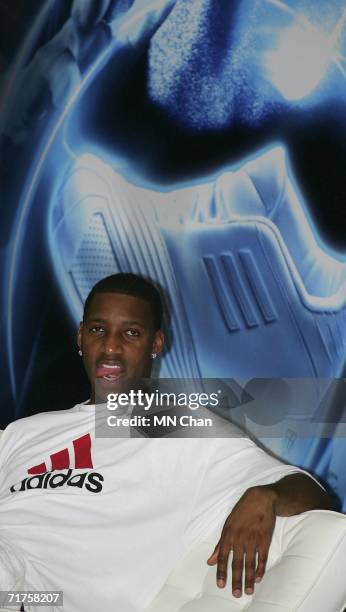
[117, 339]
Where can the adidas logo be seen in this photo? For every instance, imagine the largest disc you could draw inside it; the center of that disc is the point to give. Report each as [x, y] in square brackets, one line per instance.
[43, 478]
[92, 481]
[61, 459]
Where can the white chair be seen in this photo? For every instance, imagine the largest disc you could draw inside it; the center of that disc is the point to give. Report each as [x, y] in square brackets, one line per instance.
[306, 572]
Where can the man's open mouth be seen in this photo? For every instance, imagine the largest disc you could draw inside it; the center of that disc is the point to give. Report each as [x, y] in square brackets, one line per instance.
[109, 371]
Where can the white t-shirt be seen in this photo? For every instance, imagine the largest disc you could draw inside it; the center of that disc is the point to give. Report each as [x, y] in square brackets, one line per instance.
[106, 520]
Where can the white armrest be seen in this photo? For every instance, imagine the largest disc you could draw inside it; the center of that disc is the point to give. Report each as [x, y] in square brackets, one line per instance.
[305, 572]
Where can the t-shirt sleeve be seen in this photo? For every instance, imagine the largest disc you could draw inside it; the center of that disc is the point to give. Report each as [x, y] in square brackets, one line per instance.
[8, 441]
[233, 465]
[5, 436]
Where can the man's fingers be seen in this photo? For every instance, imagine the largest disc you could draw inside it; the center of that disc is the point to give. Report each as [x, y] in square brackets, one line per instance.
[250, 569]
[237, 572]
[222, 562]
[261, 565]
[214, 556]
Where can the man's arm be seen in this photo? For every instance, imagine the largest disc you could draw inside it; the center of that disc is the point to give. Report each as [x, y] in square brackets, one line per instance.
[249, 528]
[298, 493]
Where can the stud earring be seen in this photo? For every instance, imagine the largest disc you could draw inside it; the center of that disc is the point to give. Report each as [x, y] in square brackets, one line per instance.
[80, 353]
[153, 355]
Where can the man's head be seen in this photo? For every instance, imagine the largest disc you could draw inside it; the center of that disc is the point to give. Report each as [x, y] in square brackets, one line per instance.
[120, 332]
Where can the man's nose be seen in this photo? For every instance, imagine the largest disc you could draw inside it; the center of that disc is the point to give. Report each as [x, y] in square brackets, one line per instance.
[113, 345]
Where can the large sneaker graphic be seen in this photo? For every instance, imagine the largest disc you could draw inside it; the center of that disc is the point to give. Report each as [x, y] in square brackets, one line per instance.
[251, 292]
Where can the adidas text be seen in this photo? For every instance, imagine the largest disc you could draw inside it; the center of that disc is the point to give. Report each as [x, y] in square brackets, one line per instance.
[92, 481]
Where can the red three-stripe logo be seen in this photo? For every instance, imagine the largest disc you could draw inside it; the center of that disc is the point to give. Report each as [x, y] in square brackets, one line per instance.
[61, 459]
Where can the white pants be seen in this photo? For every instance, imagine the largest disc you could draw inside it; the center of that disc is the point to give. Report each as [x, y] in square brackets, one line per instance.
[306, 572]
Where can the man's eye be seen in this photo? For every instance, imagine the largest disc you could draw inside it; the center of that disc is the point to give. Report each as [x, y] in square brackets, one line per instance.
[96, 329]
[133, 333]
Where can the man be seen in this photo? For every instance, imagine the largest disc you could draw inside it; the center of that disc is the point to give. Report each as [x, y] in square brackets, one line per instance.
[105, 520]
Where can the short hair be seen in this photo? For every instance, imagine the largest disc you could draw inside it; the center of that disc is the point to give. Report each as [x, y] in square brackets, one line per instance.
[129, 284]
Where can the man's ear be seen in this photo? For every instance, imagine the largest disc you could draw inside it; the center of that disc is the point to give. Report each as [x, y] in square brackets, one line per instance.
[159, 341]
[79, 335]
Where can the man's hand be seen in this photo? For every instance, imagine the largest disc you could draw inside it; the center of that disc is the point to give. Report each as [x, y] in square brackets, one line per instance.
[247, 532]
[249, 528]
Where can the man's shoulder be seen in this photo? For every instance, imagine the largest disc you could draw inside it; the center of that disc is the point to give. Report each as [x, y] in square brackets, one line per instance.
[29, 433]
[40, 419]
